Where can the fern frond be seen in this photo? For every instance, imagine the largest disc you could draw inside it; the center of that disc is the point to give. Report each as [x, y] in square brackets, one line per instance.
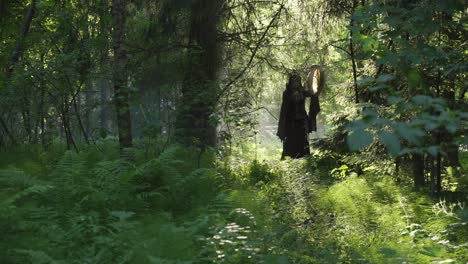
[38, 257]
[43, 213]
[14, 178]
[145, 196]
[35, 189]
[68, 167]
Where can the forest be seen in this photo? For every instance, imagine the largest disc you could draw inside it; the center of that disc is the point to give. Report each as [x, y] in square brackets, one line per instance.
[140, 131]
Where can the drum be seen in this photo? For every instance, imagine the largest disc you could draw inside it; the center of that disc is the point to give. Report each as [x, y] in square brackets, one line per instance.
[315, 80]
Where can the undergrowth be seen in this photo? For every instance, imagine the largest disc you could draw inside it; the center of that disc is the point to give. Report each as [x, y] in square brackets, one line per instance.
[180, 205]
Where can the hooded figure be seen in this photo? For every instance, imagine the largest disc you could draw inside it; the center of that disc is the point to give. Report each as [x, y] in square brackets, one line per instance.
[293, 123]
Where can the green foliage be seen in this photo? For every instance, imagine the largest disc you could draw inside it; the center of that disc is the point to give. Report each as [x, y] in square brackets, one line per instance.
[162, 203]
[254, 173]
[88, 210]
[414, 96]
[431, 116]
[359, 139]
[85, 208]
[367, 219]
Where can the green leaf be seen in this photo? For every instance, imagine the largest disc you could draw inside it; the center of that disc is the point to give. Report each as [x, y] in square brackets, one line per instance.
[369, 116]
[433, 150]
[391, 100]
[414, 79]
[354, 28]
[357, 124]
[359, 139]
[365, 80]
[369, 112]
[390, 141]
[385, 78]
[382, 122]
[411, 134]
[422, 99]
[392, 20]
[378, 87]
[451, 127]
[463, 115]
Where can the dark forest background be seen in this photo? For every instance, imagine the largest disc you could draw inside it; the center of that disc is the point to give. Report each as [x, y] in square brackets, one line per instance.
[138, 131]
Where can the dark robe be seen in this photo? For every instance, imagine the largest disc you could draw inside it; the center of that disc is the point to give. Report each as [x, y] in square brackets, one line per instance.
[314, 109]
[293, 125]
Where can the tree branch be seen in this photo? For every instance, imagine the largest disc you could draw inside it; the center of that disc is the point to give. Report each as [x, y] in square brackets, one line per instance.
[252, 56]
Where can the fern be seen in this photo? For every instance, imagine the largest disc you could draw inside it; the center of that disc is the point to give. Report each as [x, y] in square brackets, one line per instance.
[68, 168]
[38, 257]
[15, 178]
[220, 204]
[21, 185]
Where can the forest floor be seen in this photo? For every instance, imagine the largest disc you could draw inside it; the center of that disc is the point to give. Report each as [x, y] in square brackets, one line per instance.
[173, 207]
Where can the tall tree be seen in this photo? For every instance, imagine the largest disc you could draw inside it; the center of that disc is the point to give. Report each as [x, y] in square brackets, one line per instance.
[195, 124]
[414, 53]
[121, 91]
[18, 50]
[16, 54]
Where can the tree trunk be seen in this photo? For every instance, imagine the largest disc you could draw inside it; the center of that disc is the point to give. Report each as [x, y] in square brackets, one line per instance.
[2, 9]
[195, 125]
[121, 92]
[352, 55]
[104, 83]
[7, 131]
[88, 108]
[42, 119]
[438, 136]
[80, 121]
[435, 164]
[67, 128]
[20, 42]
[432, 171]
[104, 119]
[418, 170]
[438, 173]
[16, 54]
[453, 157]
[451, 148]
[26, 116]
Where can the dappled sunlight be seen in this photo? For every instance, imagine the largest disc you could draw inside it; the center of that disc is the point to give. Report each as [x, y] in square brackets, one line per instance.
[236, 132]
